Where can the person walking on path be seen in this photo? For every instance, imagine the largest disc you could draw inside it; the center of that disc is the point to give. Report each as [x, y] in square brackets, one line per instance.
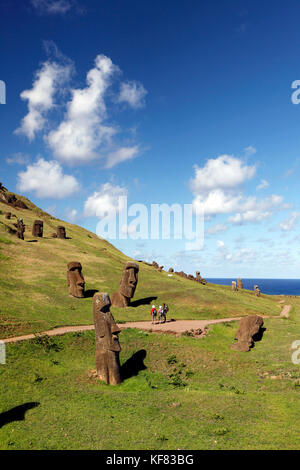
[153, 313]
[165, 310]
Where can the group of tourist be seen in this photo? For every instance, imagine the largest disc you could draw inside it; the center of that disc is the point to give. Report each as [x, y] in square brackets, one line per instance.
[162, 313]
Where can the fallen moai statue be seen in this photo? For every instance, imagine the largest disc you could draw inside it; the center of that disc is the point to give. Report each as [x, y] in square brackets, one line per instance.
[245, 335]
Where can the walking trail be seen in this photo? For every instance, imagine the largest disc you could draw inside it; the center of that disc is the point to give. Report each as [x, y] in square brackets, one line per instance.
[176, 327]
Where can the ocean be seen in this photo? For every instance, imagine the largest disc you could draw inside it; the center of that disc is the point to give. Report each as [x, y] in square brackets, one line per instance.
[267, 286]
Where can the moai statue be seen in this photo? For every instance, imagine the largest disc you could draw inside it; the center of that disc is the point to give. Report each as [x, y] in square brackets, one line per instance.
[128, 284]
[75, 279]
[245, 335]
[256, 291]
[160, 269]
[240, 283]
[198, 276]
[234, 288]
[20, 229]
[171, 270]
[37, 228]
[107, 341]
[61, 232]
[191, 277]
[155, 265]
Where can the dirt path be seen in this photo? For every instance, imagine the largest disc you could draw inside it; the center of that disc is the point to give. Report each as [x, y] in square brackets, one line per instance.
[176, 327]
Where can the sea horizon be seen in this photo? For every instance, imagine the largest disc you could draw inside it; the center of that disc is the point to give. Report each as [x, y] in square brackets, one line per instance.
[269, 286]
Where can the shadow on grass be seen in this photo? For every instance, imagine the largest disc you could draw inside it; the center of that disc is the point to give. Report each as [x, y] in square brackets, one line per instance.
[17, 413]
[145, 301]
[90, 293]
[134, 364]
[259, 335]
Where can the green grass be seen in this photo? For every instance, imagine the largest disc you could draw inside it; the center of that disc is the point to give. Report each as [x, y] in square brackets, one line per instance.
[34, 296]
[193, 394]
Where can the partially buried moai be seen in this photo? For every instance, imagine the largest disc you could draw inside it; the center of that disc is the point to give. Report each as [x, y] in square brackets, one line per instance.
[37, 228]
[128, 284]
[107, 341]
[246, 334]
[75, 279]
[61, 232]
[233, 286]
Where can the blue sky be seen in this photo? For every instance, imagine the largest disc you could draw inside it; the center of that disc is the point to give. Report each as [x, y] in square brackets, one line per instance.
[167, 102]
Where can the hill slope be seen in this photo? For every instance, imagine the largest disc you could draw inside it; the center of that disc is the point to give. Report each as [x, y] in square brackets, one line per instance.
[34, 295]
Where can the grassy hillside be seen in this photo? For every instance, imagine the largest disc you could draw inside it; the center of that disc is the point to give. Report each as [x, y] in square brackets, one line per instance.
[187, 393]
[34, 295]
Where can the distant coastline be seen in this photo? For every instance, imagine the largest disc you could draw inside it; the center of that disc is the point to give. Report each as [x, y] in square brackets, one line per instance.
[267, 286]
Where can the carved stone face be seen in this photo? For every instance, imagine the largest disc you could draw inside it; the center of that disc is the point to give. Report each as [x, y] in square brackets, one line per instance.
[61, 232]
[37, 229]
[129, 279]
[105, 327]
[75, 279]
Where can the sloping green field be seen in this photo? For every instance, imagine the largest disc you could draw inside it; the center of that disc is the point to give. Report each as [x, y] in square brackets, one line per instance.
[34, 295]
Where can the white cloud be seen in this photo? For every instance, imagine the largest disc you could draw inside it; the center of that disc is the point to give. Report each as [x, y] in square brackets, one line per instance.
[104, 202]
[217, 187]
[216, 229]
[18, 159]
[71, 215]
[121, 155]
[132, 93]
[78, 137]
[288, 224]
[52, 7]
[248, 151]
[40, 97]
[223, 172]
[217, 201]
[255, 210]
[220, 244]
[263, 184]
[47, 180]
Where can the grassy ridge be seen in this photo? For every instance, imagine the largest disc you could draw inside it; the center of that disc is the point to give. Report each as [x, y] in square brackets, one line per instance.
[34, 295]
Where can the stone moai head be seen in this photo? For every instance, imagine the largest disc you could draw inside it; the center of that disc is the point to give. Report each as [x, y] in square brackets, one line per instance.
[37, 228]
[128, 284]
[129, 279]
[61, 232]
[240, 283]
[234, 288]
[171, 270]
[75, 279]
[107, 340]
[245, 335]
[20, 229]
